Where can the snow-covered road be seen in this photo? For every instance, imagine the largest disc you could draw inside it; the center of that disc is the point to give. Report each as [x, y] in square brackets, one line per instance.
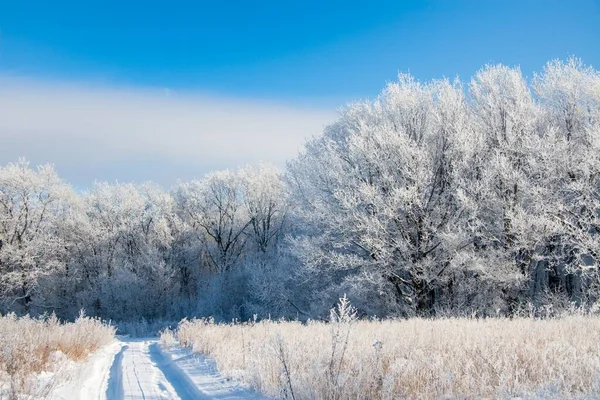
[134, 375]
[142, 369]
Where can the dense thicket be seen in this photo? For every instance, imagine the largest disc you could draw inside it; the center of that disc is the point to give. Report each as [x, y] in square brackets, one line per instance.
[432, 198]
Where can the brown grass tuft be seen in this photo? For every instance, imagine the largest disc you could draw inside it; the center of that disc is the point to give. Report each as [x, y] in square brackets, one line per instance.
[29, 346]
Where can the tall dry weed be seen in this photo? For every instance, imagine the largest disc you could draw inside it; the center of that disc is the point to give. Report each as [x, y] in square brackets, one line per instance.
[415, 358]
[29, 346]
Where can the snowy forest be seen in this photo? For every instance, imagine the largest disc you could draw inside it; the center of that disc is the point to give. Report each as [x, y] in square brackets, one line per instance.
[436, 198]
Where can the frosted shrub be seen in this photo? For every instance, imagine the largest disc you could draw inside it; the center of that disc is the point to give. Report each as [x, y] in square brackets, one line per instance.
[342, 317]
[30, 346]
[167, 337]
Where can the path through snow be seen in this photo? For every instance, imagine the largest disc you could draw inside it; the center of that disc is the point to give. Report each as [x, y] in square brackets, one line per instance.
[143, 369]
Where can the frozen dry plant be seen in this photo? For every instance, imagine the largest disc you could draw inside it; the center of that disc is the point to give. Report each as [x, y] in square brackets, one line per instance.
[167, 337]
[279, 349]
[341, 318]
[377, 385]
[346, 358]
[30, 346]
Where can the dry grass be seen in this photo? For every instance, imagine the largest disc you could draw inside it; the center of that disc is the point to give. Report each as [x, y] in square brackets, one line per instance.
[29, 346]
[416, 358]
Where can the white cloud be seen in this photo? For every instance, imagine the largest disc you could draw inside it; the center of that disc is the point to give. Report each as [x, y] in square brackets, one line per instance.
[101, 133]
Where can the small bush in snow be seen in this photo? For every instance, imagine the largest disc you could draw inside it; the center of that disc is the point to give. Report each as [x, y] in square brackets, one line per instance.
[29, 346]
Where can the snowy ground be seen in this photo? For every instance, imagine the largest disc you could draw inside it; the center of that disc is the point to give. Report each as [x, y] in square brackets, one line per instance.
[143, 369]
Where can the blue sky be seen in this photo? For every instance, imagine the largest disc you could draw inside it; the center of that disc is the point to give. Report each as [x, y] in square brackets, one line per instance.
[308, 56]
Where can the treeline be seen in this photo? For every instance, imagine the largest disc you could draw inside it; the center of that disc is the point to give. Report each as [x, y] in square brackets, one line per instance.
[434, 198]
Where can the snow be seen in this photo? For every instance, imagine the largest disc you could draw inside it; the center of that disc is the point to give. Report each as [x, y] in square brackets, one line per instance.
[89, 379]
[199, 374]
[144, 369]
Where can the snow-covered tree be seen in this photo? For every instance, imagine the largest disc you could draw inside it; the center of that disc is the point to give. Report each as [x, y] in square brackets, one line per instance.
[265, 201]
[434, 197]
[230, 226]
[213, 209]
[569, 93]
[127, 249]
[35, 204]
[379, 193]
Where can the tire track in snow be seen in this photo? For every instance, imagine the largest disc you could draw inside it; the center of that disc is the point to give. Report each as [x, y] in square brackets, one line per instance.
[183, 385]
[142, 369]
[139, 377]
[197, 377]
[115, 379]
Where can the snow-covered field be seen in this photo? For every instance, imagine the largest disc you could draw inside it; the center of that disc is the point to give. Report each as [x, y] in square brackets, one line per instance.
[145, 369]
[449, 358]
[344, 359]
